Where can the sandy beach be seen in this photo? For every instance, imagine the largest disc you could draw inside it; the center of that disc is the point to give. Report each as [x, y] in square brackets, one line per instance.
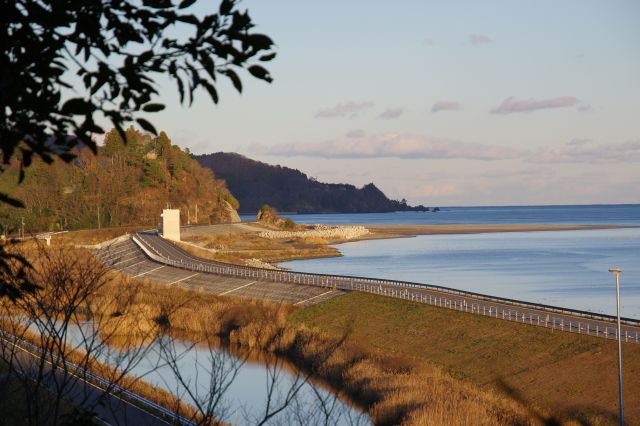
[396, 231]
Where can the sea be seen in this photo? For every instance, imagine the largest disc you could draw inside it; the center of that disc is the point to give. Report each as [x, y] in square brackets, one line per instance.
[560, 268]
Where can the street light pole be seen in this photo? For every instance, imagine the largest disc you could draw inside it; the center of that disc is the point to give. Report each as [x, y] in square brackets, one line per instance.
[617, 271]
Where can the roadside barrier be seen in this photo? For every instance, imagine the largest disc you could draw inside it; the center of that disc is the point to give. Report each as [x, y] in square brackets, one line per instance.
[553, 317]
[94, 379]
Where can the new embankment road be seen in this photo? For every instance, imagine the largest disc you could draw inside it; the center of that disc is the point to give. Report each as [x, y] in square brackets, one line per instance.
[159, 253]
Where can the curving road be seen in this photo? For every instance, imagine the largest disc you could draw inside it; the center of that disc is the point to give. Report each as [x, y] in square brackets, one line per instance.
[564, 319]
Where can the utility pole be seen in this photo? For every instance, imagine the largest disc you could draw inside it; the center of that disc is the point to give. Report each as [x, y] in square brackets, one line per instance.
[616, 272]
[196, 214]
[98, 216]
[22, 220]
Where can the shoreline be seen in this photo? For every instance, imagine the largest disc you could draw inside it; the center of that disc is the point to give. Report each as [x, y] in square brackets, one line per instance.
[385, 231]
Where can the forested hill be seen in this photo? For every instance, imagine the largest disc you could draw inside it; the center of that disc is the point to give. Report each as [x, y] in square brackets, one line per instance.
[125, 184]
[288, 190]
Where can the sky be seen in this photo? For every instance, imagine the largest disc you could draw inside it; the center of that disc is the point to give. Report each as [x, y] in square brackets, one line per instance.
[444, 103]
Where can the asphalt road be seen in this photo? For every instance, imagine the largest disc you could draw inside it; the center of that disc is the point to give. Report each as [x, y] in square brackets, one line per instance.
[127, 257]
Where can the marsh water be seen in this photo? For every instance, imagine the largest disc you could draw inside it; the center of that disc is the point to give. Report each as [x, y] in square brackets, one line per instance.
[241, 388]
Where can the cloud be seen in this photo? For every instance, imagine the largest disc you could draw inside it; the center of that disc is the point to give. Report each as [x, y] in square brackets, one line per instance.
[478, 39]
[445, 106]
[428, 42]
[583, 153]
[578, 141]
[357, 144]
[512, 105]
[356, 133]
[394, 145]
[391, 113]
[350, 109]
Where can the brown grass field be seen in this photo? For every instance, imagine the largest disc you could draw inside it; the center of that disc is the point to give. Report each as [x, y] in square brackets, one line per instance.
[234, 249]
[562, 376]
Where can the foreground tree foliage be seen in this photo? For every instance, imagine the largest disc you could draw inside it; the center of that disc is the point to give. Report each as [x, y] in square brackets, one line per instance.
[115, 49]
[66, 65]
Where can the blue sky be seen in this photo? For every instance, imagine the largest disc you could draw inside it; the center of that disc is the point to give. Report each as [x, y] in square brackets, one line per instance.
[442, 103]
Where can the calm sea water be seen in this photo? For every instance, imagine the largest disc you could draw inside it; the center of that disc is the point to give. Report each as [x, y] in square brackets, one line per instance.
[563, 268]
[628, 214]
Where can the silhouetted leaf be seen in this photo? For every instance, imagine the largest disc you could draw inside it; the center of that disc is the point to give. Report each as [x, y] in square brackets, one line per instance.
[261, 73]
[146, 125]
[268, 57]
[4, 198]
[212, 91]
[153, 107]
[186, 3]
[75, 106]
[189, 19]
[226, 6]
[260, 41]
[234, 79]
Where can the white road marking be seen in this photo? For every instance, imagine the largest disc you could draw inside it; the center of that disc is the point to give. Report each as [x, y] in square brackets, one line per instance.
[130, 266]
[122, 261]
[145, 273]
[242, 286]
[182, 279]
[311, 298]
[109, 254]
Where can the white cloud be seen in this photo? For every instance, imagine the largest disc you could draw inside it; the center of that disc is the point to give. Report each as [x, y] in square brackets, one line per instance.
[478, 39]
[445, 106]
[391, 113]
[512, 105]
[350, 109]
[623, 152]
[358, 144]
[393, 145]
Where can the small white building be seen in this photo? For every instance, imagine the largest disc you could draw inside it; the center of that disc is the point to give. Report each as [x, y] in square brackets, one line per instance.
[170, 227]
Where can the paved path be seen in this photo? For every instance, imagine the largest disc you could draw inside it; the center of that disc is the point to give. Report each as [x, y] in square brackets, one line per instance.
[127, 257]
[534, 314]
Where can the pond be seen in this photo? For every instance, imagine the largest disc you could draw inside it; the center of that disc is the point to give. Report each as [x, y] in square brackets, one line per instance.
[246, 388]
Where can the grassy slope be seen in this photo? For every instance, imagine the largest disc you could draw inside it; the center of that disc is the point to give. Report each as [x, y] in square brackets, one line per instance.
[568, 375]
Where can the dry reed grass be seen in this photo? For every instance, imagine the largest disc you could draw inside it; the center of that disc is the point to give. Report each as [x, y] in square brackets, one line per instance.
[394, 390]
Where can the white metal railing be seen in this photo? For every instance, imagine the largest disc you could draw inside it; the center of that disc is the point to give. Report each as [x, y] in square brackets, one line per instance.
[447, 298]
[102, 383]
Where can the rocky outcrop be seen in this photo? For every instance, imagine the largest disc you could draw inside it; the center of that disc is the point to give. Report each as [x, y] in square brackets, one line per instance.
[321, 231]
[230, 212]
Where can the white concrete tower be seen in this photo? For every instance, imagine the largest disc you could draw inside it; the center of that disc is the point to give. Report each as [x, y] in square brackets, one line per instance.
[170, 228]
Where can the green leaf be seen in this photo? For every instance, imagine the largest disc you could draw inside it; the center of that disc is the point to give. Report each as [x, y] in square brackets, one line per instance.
[153, 107]
[146, 125]
[259, 72]
[76, 106]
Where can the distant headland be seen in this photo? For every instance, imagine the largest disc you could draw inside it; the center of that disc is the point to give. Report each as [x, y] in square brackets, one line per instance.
[255, 183]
